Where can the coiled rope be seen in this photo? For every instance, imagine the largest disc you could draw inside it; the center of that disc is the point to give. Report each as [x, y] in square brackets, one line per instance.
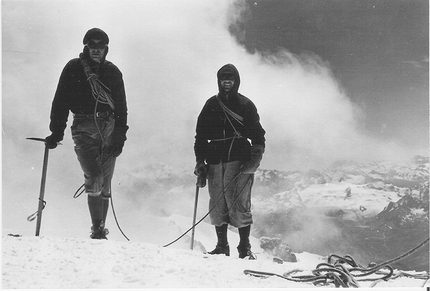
[337, 272]
[98, 89]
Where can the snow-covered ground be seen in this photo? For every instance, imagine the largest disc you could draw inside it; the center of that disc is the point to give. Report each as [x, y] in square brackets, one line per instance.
[75, 263]
[64, 256]
[43, 262]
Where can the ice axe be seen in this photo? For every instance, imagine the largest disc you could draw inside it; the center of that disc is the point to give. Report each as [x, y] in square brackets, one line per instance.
[42, 187]
[201, 182]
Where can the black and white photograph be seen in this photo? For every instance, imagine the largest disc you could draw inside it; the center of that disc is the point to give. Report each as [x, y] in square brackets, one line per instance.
[150, 144]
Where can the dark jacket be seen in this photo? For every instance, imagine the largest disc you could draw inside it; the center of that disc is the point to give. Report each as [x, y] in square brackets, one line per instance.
[214, 140]
[74, 94]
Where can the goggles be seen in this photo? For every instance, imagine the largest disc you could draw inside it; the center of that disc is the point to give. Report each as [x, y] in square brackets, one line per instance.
[96, 45]
[227, 76]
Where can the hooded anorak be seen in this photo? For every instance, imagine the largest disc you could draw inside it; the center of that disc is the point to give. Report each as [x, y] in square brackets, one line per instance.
[220, 138]
[224, 143]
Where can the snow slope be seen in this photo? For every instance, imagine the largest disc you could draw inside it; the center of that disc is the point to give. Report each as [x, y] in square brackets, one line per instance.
[47, 262]
[64, 257]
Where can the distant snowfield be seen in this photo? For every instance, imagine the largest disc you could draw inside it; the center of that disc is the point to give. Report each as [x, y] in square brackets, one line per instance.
[334, 195]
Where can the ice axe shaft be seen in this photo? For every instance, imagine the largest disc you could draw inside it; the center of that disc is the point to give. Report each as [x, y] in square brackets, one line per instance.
[194, 217]
[201, 182]
[42, 185]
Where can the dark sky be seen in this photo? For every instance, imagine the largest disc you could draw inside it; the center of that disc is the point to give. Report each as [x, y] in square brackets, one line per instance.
[377, 50]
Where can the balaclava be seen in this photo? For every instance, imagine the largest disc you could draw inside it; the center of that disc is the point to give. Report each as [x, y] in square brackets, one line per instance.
[229, 68]
[95, 33]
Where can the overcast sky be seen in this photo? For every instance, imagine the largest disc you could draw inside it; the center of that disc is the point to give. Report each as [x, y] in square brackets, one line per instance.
[377, 50]
[342, 81]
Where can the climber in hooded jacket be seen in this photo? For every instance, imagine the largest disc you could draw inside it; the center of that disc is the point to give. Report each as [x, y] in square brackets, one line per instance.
[92, 88]
[229, 145]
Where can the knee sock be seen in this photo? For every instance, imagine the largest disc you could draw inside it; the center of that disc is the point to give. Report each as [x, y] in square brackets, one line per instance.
[105, 207]
[95, 205]
[244, 233]
[221, 233]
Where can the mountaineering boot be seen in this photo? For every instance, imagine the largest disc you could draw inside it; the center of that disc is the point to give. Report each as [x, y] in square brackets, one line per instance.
[221, 250]
[222, 246]
[245, 252]
[99, 232]
[95, 205]
[244, 247]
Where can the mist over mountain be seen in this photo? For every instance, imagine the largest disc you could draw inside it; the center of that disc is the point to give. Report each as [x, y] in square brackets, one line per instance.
[398, 174]
[372, 211]
[362, 209]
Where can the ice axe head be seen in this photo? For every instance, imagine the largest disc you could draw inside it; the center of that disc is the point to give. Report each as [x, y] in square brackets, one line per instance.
[37, 138]
[42, 140]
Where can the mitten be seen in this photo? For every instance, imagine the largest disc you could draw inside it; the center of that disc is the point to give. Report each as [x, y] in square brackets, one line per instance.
[118, 140]
[201, 172]
[200, 169]
[52, 141]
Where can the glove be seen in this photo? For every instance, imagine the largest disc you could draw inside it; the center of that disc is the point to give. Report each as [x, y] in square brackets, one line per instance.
[201, 171]
[51, 141]
[116, 149]
[118, 140]
[250, 166]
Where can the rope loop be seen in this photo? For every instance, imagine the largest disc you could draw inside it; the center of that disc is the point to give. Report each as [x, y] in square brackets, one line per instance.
[34, 215]
[82, 189]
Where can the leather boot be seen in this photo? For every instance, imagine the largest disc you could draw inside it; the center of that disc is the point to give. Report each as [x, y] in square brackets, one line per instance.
[244, 247]
[222, 246]
[95, 205]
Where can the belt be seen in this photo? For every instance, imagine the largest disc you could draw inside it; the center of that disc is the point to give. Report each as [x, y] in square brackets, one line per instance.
[103, 114]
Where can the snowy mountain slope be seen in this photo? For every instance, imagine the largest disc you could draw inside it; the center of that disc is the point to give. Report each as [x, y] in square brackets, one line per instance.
[339, 210]
[310, 214]
[47, 262]
[71, 262]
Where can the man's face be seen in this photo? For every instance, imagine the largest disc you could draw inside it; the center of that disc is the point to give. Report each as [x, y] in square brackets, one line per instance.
[227, 81]
[97, 49]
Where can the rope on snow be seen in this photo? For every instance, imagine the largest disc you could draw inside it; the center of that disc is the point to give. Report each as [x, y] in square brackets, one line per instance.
[343, 271]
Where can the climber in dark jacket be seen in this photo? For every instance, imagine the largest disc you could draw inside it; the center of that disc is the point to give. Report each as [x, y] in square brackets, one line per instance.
[229, 145]
[92, 88]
